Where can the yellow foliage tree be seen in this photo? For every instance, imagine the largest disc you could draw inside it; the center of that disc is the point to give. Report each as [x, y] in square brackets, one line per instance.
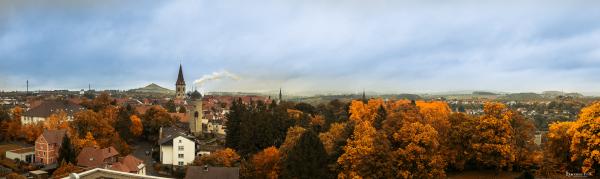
[436, 114]
[418, 154]
[136, 126]
[88, 141]
[360, 111]
[57, 121]
[220, 158]
[585, 141]
[492, 138]
[365, 155]
[557, 148]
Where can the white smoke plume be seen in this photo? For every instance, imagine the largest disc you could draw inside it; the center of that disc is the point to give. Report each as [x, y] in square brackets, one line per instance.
[215, 76]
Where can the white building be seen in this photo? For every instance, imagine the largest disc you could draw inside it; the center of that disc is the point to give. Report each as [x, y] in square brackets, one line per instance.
[106, 173]
[45, 109]
[23, 154]
[177, 148]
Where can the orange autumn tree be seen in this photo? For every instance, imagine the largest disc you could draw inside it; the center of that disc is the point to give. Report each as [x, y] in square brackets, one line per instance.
[366, 154]
[355, 161]
[13, 127]
[459, 140]
[31, 132]
[136, 126]
[585, 141]
[360, 111]
[88, 141]
[90, 121]
[57, 120]
[491, 142]
[557, 148]
[527, 155]
[291, 138]
[337, 133]
[436, 114]
[418, 154]
[266, 164]
[64, 170]
[220, 158]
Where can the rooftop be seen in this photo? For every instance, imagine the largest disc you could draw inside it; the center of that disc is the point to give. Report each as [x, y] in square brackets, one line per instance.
[23, 150]
[199, 172]
[105, 173]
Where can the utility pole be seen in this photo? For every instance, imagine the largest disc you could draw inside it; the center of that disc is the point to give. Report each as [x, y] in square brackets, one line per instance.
[27, 90]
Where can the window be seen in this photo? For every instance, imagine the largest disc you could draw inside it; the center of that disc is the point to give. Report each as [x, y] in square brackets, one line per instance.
[180, 148]
[180, 155]
[179, 141]
[180, 163]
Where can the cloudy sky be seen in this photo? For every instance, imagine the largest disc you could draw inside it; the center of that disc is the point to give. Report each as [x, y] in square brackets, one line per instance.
[303, 45]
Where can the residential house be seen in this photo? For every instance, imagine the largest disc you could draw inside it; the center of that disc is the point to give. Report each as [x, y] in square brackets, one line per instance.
[177, 148]
[205, 172]
[26, 154]
[42, 111]
[47, 146]
[130, 164]
[90, 157]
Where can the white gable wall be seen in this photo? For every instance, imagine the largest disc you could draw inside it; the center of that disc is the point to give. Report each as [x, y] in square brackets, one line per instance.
[188, 151]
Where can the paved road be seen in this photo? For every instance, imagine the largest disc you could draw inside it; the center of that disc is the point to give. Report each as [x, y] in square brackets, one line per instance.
[140, 149]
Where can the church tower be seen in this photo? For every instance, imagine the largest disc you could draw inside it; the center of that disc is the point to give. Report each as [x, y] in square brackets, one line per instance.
[180, 85]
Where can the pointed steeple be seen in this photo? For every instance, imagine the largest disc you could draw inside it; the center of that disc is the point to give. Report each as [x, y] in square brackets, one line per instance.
[364, 97]
[180, 80]
[280, 95]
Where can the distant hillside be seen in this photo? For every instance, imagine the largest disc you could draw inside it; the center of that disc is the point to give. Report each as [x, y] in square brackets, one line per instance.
[522, 96]
[484, 93]
[554, 94]
[320, 99]
[152, 88]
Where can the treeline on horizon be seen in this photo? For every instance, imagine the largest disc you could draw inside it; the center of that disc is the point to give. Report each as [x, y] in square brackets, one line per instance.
[399, 139]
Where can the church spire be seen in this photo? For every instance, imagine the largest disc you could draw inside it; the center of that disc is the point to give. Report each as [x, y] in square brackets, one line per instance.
[180, 85]
[280, 95]
[180, 80]
[364, 97]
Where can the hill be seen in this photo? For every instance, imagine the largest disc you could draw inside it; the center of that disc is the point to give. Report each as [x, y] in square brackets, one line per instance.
[522, 96]
[152, 88]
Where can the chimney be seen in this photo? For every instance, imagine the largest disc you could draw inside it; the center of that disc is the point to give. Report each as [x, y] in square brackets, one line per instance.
[206, 168]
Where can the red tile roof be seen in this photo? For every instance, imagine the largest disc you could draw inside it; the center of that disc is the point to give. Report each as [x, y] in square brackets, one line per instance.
[46, 108]
[182, 117]
[128, 164]
[54, 136]
[92, 157]
[143, 108]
